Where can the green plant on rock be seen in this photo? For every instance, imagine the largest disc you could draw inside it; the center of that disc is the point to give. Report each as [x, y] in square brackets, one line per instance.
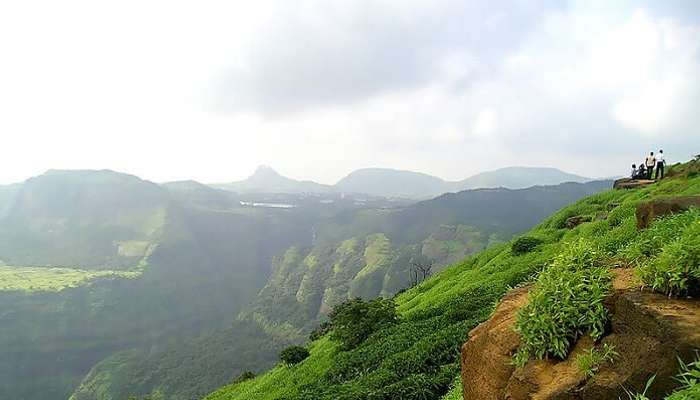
[590, 362]
[525, 244]
[567, 302]
[294, 355]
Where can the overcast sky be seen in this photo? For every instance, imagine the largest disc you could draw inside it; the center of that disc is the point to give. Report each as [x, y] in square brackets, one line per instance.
[208, 90]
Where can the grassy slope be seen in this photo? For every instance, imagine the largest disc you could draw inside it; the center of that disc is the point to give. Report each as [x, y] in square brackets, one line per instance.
[53, 279]
[417, 359]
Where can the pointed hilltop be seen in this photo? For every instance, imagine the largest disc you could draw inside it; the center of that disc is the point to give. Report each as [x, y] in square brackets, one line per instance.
[267, 180]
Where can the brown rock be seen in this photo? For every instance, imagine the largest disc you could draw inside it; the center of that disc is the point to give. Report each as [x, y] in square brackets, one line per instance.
[647, 212]
[486, 356]
[648, 330]
[573, 222]
[629, 183]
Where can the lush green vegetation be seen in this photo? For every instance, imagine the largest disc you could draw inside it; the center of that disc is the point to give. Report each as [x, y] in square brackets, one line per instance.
[53, 279]
[566, 303]
[416, 358]
[294, 355]
[525, 244]
[676, 269]
[590, 362]
[353, 321]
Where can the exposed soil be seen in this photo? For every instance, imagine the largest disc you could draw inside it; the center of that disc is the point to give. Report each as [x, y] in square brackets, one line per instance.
[649, 331]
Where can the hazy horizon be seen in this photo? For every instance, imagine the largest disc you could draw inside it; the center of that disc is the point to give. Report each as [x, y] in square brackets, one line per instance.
[317, 89]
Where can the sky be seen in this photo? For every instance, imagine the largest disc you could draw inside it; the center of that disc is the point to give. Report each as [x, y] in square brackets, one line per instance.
[208, 90]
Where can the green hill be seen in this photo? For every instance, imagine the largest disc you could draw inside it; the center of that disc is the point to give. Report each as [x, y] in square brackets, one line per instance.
[86, 219]
[417, 357]
[98, 262]
[353, 252]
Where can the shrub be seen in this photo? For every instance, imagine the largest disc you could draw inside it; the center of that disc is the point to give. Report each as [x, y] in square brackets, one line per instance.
[566, 303]
[294, 355]
[355, 320]
[650, 241]
[525, 244]
[321, 330]
[676, 271]
[244, 376]
[590, 362]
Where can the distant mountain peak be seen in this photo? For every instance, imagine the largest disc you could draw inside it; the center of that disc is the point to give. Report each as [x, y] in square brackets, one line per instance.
[265, 170]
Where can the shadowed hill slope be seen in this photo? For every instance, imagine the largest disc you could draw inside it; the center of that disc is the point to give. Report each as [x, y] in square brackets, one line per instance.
[417, 358]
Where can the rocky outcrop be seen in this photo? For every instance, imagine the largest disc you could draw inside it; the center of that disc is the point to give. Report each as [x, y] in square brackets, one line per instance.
[575, 221]
[649, 331]
[647, 212]
[486, 357]
[629, 183]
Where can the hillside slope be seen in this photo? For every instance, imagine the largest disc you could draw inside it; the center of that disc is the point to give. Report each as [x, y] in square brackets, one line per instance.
[354, 252]
[135, 259]
[417, 358]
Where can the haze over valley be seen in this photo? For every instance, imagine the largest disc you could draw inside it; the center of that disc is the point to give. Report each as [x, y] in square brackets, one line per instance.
[350, 200]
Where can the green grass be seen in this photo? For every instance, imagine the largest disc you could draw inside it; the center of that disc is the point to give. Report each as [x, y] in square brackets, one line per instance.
[31, 279]
[417, 358]
[567, 302]
[456, 392]
[590, 362]
[283, 380]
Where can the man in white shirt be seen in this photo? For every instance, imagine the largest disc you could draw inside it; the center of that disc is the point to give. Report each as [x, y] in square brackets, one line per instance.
[650, 163]
[660, 163]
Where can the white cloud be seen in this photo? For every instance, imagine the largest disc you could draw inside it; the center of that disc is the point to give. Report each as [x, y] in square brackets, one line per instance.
[132, 86]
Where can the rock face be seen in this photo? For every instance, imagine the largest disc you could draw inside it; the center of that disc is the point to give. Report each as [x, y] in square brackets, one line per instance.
[629, 183]
[573, 222]
[649, 331]
[649, 211]
[486, 357]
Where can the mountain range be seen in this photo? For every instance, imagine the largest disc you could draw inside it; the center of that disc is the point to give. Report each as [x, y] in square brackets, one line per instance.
[386, 182]
[112, 286]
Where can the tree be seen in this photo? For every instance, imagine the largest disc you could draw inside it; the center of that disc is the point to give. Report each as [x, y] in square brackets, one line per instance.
[421, 268]
[294, 355]
[353, 321]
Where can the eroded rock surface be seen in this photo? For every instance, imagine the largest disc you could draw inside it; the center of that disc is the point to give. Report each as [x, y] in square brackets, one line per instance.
[648, 330]
[647, 212]
[629, 183]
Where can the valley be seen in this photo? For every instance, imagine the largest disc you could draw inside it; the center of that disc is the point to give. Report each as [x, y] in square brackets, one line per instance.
[105, 274]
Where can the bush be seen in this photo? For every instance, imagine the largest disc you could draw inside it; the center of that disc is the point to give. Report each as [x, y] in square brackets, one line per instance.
[355, 320]
[676, 271]
[566, 303]
[320, 331]
[294, 355]
[244, 376]
[525, 244]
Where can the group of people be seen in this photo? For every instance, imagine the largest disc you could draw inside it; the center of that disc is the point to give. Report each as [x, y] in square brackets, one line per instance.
[653, 163]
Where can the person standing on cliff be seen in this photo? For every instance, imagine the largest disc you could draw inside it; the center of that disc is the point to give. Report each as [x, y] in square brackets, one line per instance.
[660, 164]
[650, 163]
